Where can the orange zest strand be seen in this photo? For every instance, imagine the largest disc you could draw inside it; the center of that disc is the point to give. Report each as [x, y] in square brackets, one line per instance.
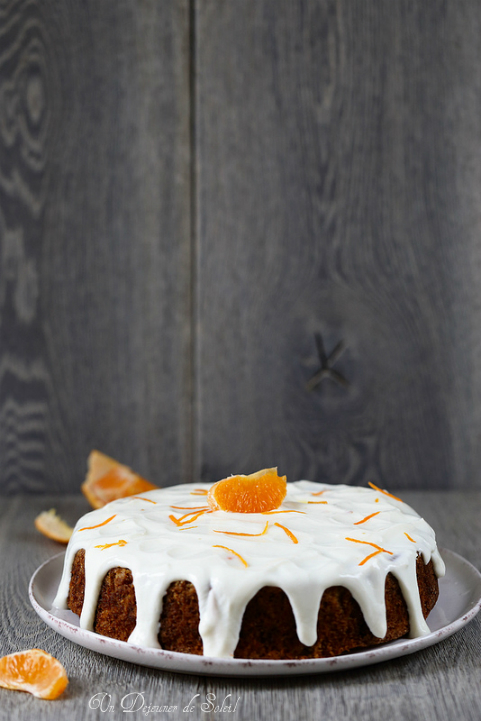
[367, 518]
[233, 533]
[317, 501]
[194, 514]
[235, 554]
[191, 517]
[88, 528]
[376, 488]
[371, 555]
[144, 499]
[271, 513]
[289, 533]
[109, 545]
[187, 528]
[409, 537]
[199, 492]
[367, 543]
[319, 493]
[190, 508]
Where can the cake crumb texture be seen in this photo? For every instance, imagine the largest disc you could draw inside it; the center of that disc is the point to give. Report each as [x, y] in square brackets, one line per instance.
[268, 627]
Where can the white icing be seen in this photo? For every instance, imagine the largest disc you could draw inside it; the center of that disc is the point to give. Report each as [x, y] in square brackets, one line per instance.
[159, 552]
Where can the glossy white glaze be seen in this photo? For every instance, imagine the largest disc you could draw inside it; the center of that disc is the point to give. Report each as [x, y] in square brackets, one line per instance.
[158, 552]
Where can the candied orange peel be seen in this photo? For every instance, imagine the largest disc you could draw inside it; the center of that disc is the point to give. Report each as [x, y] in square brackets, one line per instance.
[256, 493]
[34, 671]
[107, 480]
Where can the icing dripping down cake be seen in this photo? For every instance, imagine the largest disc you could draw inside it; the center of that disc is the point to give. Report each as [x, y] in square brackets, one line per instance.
[329, 570]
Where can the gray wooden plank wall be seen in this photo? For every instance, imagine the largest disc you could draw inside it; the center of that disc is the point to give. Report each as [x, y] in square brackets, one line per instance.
[240, 234]
[339, 181]
[95, 225]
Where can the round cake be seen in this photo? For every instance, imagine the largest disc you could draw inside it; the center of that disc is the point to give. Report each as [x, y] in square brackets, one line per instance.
[330, 570]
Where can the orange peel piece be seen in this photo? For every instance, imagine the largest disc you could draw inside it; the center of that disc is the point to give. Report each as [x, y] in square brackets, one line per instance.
[257, 493]
[386, 493]
[34, 671]
[107, 480]
[235, 554]
[120, 543]
[50, 524]
[368, 543]
[235, 533]
[287, 532]
[371, 515]
[368, 558]
[98, 525]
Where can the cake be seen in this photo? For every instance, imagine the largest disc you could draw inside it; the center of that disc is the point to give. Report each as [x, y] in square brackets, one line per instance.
[330, 570]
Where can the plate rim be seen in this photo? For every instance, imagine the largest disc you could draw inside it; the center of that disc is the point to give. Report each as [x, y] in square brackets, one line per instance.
[177, 662]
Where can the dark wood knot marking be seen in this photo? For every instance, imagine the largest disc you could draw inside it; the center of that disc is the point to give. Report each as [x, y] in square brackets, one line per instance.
[327, 361]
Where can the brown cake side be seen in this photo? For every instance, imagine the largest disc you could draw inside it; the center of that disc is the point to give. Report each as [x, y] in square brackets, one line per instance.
[268, 627]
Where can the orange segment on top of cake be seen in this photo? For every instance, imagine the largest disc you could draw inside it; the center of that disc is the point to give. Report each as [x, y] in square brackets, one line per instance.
[107, 480]
[256, 493]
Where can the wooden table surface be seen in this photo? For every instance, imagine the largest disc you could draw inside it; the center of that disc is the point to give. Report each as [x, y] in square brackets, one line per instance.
[441, 682]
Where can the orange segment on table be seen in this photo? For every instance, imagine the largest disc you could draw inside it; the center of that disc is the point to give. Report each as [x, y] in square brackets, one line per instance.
[34, 671]
[107, 480]
[53, 526]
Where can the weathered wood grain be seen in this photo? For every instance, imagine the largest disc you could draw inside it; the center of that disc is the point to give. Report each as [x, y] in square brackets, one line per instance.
[95, 237]
[332, 285]
[338, 180]
[440, 683]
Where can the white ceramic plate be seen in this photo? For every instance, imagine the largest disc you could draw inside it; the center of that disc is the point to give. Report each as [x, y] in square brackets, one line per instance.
[459, 601]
